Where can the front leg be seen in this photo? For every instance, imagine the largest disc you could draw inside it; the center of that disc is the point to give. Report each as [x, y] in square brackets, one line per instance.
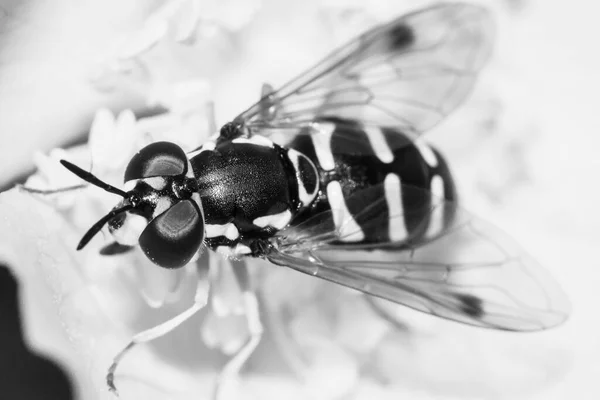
[231, 370]
[48, 192]
[231, 131]
[269, 106]
[231, 296]
[200, 302]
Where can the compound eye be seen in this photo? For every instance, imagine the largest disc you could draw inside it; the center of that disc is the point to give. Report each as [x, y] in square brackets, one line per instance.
[171, 239]
[157, 159]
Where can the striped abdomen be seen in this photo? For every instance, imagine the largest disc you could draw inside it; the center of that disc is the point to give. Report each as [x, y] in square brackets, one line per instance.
[351, 158]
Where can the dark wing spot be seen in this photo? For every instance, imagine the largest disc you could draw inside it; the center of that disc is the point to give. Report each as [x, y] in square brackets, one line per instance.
[471, 305]
[400, 37]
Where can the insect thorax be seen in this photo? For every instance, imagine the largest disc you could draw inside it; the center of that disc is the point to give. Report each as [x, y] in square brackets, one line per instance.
[250, 189]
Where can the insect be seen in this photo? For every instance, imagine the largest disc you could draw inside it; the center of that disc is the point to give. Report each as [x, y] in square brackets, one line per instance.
[329, 176]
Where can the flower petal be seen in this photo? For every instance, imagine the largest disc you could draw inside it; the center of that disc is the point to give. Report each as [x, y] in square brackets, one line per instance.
[87, 302]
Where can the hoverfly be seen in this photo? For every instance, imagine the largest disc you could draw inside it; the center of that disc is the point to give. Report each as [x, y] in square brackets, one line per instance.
[329, 176]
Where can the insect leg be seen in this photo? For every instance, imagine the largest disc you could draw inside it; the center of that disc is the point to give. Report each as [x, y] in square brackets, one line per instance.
[115, 248]
[266, 90]
[231, 290]
[231, 370]
[46, 192]
[268, 103]
[200, 301]
[212, 123]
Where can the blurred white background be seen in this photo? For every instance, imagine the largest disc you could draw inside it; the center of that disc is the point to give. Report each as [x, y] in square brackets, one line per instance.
[533, 170]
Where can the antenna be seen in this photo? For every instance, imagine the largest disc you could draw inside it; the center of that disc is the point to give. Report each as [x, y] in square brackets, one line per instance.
[89, 177]
[98, 225]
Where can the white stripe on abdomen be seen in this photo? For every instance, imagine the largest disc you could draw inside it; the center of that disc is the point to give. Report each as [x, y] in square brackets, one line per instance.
[348, 228]
[436, 220]
[322, 143]
[393, 196]
[380, 146]
[426, 152]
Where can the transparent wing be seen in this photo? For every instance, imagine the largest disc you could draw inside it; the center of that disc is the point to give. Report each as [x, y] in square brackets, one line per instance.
[409, 73]
[467, 270]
